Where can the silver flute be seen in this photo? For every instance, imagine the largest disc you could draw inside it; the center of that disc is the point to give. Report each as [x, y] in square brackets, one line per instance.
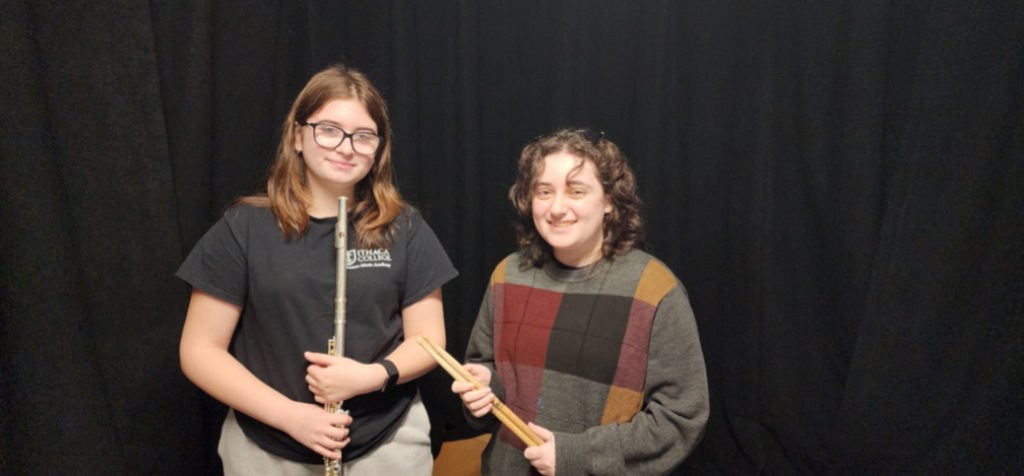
[336, 346]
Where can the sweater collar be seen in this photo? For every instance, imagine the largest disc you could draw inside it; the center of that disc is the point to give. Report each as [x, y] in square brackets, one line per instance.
[567, 274]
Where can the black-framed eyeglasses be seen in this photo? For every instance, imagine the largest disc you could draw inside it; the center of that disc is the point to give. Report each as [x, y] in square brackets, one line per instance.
[331, 136]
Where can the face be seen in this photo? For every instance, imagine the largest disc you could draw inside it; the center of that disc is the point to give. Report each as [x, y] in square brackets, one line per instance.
[568, 207]
[335, 171]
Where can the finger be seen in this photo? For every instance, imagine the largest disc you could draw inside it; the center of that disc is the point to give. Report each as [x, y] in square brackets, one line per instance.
[483, 411]
[477, 395]
[340, 420]
[327, 452]
[317, 358]
[542, 432]
[329, 397]
[335, 435]
[480, 402]
[314, 377]
[481, 373]
[461, 387]
[317, 372]
[318, 398]
[330, 445]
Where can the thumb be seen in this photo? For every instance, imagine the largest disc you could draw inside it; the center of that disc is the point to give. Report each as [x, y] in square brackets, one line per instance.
[317, 358]
[542, 432]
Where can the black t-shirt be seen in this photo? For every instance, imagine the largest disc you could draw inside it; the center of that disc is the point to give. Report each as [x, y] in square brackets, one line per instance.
[286, 289]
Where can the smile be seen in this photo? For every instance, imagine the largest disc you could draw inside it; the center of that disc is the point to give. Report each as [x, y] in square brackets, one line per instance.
[341, 165]
[561, 224]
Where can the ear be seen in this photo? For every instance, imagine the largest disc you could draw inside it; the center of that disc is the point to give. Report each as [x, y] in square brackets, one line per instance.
[607, 204]
[298, 137]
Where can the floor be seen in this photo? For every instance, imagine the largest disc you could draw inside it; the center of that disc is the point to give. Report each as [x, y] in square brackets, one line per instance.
[461, 457]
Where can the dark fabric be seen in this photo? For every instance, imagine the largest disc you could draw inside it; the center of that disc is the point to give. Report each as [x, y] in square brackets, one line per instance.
[286, 289]
[586, 336]
[839, 184]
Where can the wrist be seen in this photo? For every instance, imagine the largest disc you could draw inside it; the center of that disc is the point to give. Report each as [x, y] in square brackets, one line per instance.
[287, 411]
[379, 376]
[391, 380]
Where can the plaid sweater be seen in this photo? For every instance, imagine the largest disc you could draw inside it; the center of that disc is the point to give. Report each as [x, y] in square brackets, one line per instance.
[607, 357]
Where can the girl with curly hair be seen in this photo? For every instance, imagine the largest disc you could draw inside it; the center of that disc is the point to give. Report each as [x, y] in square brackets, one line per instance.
[581, 332]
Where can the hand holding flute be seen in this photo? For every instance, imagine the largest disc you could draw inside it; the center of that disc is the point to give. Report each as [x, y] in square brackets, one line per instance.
[333, 379]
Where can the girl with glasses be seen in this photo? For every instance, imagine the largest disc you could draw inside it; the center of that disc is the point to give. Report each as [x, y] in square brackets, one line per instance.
[262, 306]
[581, 333]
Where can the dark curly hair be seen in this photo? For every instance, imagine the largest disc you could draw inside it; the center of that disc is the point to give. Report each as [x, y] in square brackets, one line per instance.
[623, 227]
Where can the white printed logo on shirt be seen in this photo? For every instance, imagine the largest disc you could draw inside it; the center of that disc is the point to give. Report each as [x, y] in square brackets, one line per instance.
[377, 258]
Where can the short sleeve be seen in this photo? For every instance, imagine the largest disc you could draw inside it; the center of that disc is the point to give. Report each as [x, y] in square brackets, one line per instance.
[217, 264]
[428, 264]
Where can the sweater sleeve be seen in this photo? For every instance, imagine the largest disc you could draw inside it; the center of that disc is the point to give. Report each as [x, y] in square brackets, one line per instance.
[675, 407]
[480, 350]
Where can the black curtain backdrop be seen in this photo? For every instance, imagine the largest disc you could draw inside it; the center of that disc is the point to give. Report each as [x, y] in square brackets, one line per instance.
[840, 185]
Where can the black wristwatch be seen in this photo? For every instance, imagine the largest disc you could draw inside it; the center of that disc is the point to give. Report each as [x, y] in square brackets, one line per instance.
[392, 380]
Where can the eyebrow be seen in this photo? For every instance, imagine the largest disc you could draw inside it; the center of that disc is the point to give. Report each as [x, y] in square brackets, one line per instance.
[338, 125]
[571, 183]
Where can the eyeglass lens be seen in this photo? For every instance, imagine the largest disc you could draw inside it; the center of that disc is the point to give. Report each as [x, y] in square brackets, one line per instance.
[331, 137]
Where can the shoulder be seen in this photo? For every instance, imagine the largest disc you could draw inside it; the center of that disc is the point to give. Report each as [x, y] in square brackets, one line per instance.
[641, 259]
[246, 212]
[408, 212]
[417, 244]
[409, 228]
[654, 279]
[408, 220]
[511, 269]
[244, 221]
[250, 214]
[498, 276]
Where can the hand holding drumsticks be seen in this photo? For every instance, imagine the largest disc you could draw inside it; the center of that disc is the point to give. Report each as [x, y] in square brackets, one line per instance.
[459, 373]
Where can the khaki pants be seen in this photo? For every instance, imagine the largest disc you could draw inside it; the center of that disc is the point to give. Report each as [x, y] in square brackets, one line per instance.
[405, 452]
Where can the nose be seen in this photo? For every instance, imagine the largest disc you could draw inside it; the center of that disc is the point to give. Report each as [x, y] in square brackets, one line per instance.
[341, 148]
[559, 205]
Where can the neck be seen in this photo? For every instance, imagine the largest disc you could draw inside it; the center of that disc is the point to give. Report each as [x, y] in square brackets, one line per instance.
[579, 260]
[325, 202]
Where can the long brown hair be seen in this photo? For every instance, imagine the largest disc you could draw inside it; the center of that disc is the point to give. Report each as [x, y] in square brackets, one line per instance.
[623, 227]
[377, 201]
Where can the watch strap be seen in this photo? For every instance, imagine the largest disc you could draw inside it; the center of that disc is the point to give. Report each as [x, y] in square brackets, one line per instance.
[392, 380]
